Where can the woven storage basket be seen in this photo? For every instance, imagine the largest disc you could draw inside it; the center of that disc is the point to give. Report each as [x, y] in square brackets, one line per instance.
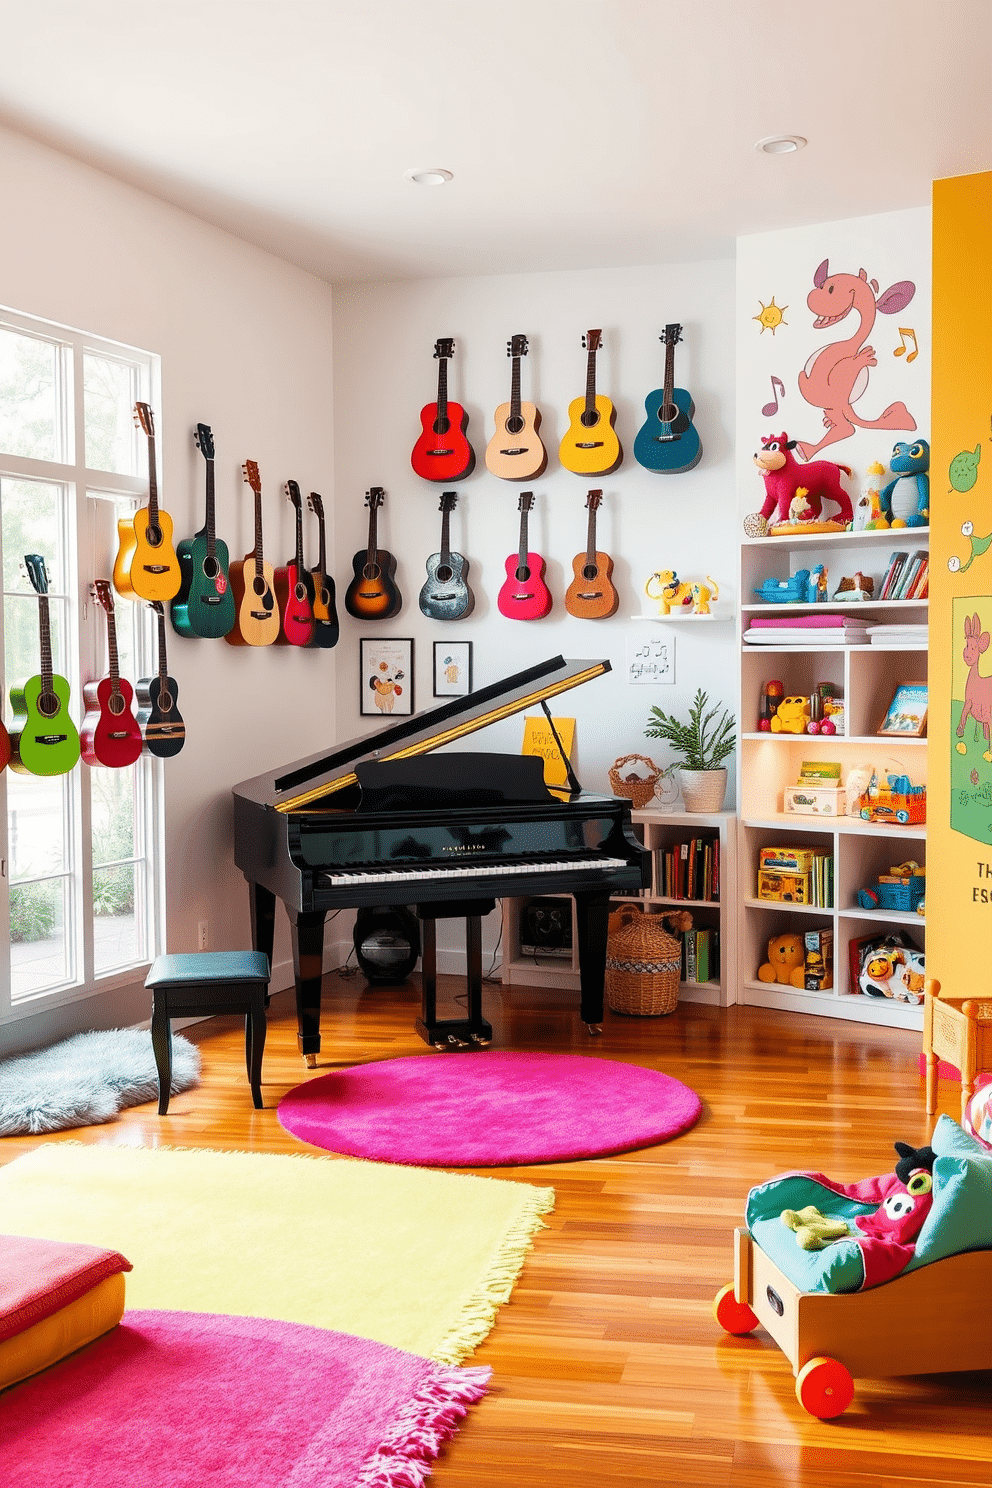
[637, 788]
[643, 964]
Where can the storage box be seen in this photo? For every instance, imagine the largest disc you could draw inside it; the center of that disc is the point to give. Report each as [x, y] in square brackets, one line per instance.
[788, 888]
[786, 859]
[816, 800]
[818, 946]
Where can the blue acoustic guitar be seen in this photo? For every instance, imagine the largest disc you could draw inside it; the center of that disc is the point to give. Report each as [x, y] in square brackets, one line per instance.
[667, 442]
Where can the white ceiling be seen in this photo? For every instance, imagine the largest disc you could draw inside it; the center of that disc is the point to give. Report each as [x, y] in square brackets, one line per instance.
[581, 133]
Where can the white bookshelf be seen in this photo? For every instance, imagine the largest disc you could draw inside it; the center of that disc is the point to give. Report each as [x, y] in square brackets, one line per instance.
[769, 762]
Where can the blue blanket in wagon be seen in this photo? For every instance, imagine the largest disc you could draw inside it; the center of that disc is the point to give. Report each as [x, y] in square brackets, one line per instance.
[960, 1218]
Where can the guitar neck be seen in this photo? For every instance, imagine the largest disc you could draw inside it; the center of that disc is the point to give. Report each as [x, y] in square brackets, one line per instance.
[591, 539]
[372, 537]
[115, 675]
[299, 540]
[445, 536]
[522, 555]
[45, 638]
[211, 522]
[669, 373]
[515, 389]
[591, 381]
[163, 660]
[442, 388]
[321, 550]
[258, 534]
[152, 483]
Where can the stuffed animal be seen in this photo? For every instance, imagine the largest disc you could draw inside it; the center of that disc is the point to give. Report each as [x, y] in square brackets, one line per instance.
[813, 1230]
[906, 499]
[868, 511]
[856, 586]
[900, 1218]
[786, 961]
[784, 477]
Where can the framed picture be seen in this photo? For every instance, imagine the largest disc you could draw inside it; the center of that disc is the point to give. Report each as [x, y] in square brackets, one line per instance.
[385, 676]
[452, 668]
[906, 715]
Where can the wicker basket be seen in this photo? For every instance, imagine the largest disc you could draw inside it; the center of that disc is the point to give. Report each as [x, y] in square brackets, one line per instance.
[643, 963]
[637, 788]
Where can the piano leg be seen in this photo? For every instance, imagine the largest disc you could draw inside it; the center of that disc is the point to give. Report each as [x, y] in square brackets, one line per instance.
[593, 910]
[262, 903]
[307, 930]
[453, 1033]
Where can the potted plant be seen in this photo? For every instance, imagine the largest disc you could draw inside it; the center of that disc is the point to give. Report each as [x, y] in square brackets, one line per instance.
[703, 743]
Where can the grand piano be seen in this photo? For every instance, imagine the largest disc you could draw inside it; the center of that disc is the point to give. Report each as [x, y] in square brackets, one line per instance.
[384, 820]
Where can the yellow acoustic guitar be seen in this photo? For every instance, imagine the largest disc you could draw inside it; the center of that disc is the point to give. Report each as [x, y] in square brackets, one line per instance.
[590, 445]
[146, 566]
[515, 451]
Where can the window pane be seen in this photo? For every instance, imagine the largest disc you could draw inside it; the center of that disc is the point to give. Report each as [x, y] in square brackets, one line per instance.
[39, 951]
[108, 401]
[28, 410]
[33, 518]
[36, 825]
[113, 812]
[116, 929]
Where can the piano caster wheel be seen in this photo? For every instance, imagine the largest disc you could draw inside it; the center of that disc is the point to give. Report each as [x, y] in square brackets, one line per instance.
[593, 1029]
[310, 1060]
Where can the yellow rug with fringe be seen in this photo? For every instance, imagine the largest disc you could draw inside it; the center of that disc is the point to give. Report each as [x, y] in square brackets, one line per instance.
[406, 1256]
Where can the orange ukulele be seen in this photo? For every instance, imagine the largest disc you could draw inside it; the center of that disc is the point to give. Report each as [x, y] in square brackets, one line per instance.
[252, 583]
[591, 595]
[146, 566]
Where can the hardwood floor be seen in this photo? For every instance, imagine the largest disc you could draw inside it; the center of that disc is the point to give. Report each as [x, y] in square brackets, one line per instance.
[607, 1363]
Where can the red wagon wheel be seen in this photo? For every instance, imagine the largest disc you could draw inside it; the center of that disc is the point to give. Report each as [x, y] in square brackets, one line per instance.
[824, 1388]
[733, 1316]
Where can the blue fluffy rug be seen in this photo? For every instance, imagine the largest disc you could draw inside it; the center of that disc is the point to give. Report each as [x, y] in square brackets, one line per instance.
[86, 1080]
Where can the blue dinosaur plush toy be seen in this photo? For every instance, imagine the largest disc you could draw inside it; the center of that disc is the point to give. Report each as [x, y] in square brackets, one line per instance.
[905, 501]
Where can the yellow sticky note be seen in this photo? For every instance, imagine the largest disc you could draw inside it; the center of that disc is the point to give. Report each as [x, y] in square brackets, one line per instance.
[538, 739]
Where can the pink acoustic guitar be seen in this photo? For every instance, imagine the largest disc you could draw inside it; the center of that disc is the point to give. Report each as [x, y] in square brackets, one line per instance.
[524, 595]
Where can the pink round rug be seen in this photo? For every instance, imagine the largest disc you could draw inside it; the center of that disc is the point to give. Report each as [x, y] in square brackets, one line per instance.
[488, 1110]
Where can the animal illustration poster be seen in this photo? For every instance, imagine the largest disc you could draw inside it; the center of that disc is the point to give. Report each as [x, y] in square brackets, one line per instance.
[971, 710]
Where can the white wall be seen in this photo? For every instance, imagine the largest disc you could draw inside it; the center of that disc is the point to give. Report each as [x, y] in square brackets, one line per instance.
[245, 345]
[384, 372]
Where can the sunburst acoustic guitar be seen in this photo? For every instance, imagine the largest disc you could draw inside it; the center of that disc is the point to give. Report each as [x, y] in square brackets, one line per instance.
[326, 630]
[591, 595]
[294, 586]
[111, 734]
[146, 566]
[372, 593]
[252, 582]
[442, 452]
[204, 606]
[524, 594]
[591, 445]
[43, 737]
[163, 731]
[446, 595]
[515, 451]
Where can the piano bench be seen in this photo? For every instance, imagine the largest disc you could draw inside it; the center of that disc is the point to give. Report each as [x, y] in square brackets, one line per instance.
[209, 984]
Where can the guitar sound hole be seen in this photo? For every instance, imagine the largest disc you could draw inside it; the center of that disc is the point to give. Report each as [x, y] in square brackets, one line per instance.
[668, 413]
[259, 586]
[153, 536]
[371, 571]
[444, 573]
[589, 573]
[211, 568]
[441, 424]
[522, 575]
[165, 702]
[514, 425]
[589, 420]
[48, 704]
[116, 704]
[300, 593]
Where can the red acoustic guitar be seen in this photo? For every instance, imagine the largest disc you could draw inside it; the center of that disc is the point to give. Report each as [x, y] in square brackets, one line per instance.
[524, 595]
[443, 453]
[110, 734]
[294, 586]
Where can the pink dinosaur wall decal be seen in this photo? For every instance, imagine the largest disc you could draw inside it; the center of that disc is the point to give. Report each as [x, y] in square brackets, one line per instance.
[837, 375]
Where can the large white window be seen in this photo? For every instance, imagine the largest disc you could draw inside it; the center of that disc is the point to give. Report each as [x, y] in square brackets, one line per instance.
[80, 887]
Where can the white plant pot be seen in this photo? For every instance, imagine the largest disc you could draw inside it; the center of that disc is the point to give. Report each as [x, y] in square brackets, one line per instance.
[703, 790]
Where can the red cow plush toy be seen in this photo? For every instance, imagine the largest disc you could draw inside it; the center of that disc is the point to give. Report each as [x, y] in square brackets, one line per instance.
[784, 475]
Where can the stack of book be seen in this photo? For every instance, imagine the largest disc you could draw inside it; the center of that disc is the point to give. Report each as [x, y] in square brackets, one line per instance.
[907, 576]
[796, 875]
[691, 870]
[700, 956]
[808, 631]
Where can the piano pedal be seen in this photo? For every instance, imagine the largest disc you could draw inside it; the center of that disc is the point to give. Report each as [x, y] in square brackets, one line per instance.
[593, 1029]
[456, 1043]
[483, 1043]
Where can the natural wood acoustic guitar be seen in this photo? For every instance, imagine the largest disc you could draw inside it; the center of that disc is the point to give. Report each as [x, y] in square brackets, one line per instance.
[590, 445]
[591, 595]
[515, 451]
[252, 582]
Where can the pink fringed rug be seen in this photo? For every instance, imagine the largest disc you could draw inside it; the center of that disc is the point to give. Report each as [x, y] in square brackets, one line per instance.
[185, 1399]
[486, 1110]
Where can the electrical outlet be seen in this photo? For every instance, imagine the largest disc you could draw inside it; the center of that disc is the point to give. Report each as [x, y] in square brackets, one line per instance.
[202, 936]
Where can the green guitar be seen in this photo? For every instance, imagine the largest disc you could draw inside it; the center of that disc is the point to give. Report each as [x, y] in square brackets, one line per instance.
[43, 737]
[204, 605]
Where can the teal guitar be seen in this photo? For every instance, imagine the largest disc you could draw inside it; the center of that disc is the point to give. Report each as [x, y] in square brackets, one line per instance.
[43, 737]
[667, 442]
[205, 605]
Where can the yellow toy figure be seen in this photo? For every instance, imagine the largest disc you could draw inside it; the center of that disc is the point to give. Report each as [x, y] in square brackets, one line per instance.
[791, 716]
[677, 594]
[786, 961]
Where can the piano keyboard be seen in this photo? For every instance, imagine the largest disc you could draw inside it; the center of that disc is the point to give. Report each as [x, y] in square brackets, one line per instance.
[475, 872]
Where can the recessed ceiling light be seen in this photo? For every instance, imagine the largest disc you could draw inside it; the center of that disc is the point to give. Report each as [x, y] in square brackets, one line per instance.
[428, 175]
[781, 144]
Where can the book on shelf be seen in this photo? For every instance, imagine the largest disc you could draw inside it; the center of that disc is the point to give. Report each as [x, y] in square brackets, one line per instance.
[918, 589]
[690, 870]
[907, 579]
[890, 578]
[700, 955]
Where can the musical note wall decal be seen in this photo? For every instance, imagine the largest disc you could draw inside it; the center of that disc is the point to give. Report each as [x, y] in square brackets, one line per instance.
[905, 331]
[772, 408]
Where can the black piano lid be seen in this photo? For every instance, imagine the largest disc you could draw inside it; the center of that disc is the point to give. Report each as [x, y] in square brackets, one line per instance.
[294, 786]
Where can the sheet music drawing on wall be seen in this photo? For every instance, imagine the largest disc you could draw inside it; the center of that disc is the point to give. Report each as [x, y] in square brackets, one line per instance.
[651, 661]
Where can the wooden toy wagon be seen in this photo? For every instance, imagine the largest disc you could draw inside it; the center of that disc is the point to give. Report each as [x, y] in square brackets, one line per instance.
[930, 1318]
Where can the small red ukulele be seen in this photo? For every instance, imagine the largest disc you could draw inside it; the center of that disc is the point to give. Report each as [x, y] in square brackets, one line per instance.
[294, 586]
[443, 453]
[524, 595]
[111, 734]
[591, 595]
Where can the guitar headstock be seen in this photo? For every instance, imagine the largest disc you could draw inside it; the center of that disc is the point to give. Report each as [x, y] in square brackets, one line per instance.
[517, 346]
[37, 573]
[316, 505]
[526, 502]
[204, 440]
[671, 335]
[444, 348]
[102, 594]
[293, 494]
[374, 498]
[448, 500]
[250, 472]
[593, 500]
[591, 340]
[144, 418]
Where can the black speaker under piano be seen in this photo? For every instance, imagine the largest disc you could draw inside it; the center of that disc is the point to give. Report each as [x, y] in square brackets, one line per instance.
[387, 943]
